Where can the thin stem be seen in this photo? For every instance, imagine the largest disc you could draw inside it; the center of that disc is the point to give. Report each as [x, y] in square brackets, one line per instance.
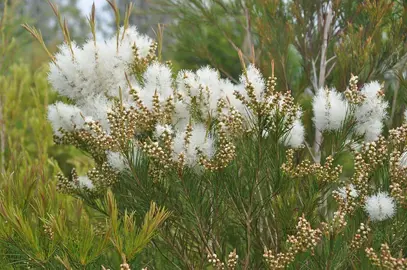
[393, 106]
[324, 47]
[2, 139]
[322, 76]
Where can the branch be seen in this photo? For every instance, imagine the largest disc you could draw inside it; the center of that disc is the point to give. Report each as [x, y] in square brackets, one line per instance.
[315, 79]
[330, 70]
[324, 47]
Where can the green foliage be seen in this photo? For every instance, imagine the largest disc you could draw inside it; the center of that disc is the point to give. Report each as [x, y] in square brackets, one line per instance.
[250, 205]
[200, 37]
[41, 228]
[364, 38]
[38, 224]
[253, 204]
[126, 238]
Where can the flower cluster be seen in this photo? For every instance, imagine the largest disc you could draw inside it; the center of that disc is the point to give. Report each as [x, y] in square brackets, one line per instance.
[380, 206]
[346, 197]
[216, 262]
[398, 172]
[366, 108]
[370, 157]
[330, 110]
[371, 113]
[232, 260]
[123, 104]
[219, 265]
[305, 239]
[386, 260]
[326, 173]
[360, 236]
[96, 180]
[122, 95]
[352, 93]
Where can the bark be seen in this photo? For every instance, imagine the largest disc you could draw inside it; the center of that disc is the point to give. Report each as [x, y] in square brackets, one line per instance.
[322, 76]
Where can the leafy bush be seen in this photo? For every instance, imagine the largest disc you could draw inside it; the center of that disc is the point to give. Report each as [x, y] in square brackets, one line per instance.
[231, 161]
[41, 228]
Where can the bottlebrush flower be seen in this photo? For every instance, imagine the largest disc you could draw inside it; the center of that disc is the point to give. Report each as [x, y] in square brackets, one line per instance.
[160, 129]
[63, 73]
[157, 79]
[254, 77]
[85, 182]
[181, 115]
[330, 110]
[208, 78]
[371, 113]
[116, 161]
[380, 206]
[403, 160]
[295, 137]
[213, 88]
[97, 108]
[187, 83]
[206, 88]
[133, 37]
[96, 68]
[197, 140]
[342, 192]
[202, 140]
[64, 116]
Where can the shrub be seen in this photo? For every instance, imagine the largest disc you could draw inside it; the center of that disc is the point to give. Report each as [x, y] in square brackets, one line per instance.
[41, 228]
[230, 161]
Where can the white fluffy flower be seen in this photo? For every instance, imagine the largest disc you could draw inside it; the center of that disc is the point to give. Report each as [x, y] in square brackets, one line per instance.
[208, 77]
[157, 79]
[178, 145]
[255, 78]
[380, 206]
[116, 161]
[181, 115]
[160, 129]
[238, 105]
[330, 110]
[212, 89]
[85, 182]
[202, 140]
[371, 113]
[97, 108]
[63, 73]
[96, 68]
[232, 101]
[295, 137]
[403, 160]
[354, 145]
[353, 192]
[206, 87]
[198, 140]
[64, 116]
[187, 83]
[133, 37]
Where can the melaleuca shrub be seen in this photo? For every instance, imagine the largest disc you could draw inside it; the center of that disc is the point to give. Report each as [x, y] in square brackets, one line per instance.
[231, 160]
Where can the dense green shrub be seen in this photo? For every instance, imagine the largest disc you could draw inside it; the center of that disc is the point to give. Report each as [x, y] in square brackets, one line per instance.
[231, 161]
[41, 228]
